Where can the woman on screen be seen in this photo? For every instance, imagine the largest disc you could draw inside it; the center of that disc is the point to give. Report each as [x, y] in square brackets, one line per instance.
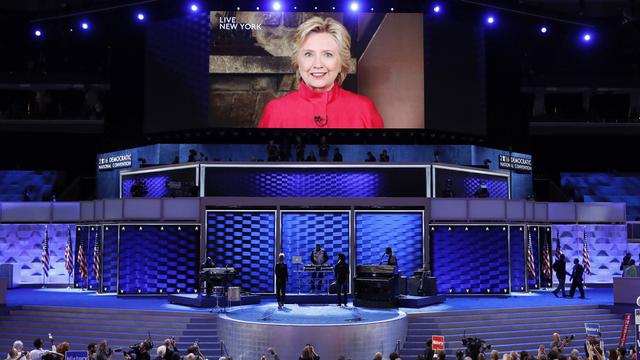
[321, 59]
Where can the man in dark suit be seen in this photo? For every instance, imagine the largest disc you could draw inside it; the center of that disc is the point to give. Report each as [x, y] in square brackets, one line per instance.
[560, 267]
[318, 258]
[281, 280]
[342, 279]
[576, 279]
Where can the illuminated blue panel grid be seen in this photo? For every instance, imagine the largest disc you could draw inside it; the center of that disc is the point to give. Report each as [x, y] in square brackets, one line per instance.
[400, 231]
[471, 257]
[110, 259]
[86, 234]
[534, 283]
[517, 258]
[498, 189]
[302, 231]
[158, 259]
[246, 241]
[156, 186]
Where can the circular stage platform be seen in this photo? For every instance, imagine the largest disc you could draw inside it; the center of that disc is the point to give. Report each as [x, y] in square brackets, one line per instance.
[356, 333]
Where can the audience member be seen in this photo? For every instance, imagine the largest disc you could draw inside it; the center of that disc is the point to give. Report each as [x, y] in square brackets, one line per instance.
[495, 355]
[377, 356]
[311, 157]
[442, 355]
[428, 350]
[309, 353]
[337, 156]
[631, 270]
[370, 157]
[394, 356]
[384, 156]
[323, 149]
[38, 351]
[160, 352]
[622, 351]
[299, 149]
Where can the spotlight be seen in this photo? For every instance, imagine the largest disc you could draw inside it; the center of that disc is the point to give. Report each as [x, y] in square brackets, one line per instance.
[586, 37]
[140, 16]
[276, 6]
[544, 29]
[437, 9]
[194, 7]
[37, 33]
[354, 6]
[85, 26]
[490, 20]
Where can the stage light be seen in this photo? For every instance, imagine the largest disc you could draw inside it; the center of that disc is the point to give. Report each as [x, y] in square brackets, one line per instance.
[354, 6]
[37, 33]
[437, 9]
[194, 7]
[544, 30]
[85, 26]
[586, 37]
[140, 16]
[276, 6]
[490, 20]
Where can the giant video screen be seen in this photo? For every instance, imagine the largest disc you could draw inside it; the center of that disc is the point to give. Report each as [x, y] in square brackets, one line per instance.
[316, 70]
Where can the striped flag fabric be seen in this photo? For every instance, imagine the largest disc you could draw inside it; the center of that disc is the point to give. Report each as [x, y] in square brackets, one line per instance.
[82, 262]
[68, 253]
[96, 257]
[558, 248]
[546, 261]
[530, 260]
[586, 261]
[45, 253]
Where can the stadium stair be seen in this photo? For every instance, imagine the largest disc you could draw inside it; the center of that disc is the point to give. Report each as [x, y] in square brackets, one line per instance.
[120, 328]
[512, 329]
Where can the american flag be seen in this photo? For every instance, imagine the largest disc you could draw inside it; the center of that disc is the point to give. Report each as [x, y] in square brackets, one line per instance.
[45, 252]
[586, 262]
[82, 262]
[96, 257]
[546, 261]
[558, 249]
[68, 254]
[531, 267]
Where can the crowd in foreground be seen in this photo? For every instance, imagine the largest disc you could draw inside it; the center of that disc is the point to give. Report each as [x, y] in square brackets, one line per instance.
[593, 350]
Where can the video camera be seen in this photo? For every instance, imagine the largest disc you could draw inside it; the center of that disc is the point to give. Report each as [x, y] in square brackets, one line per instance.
[474, 346]
[134, 351]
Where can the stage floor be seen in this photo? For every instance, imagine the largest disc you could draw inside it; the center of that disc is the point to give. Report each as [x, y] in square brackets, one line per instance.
[88, 299]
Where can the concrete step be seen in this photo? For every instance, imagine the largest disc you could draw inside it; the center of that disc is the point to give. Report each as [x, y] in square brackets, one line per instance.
[437, 317]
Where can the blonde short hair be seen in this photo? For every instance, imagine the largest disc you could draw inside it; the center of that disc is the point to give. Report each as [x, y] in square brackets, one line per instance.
[332, 27]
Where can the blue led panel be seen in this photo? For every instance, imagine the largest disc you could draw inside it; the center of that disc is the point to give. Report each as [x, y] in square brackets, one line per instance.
[156, 186]
[400, 231]
[517, 241]
[158, 259]
[473, 258]
[534, 283]
[498, 187]
[246, 241]
[301, 231]
[86, 234]
[110, 259]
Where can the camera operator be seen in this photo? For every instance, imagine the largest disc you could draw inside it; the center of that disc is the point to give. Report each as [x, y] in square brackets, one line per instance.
[474, 347]
[559, 344]
[139, 351]
[194, 353]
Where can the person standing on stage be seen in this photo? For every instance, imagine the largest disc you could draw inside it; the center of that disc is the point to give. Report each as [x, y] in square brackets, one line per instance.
[391, 258]
[318, 258]
[576, 279]
[281, 280]
[560, 267]
[342, 279]
[204, 277]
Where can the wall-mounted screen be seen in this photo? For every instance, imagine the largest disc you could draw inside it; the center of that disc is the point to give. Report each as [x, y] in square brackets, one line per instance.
[316, 70]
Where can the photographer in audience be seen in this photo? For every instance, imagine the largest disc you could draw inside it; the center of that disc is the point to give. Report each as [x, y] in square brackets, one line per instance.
[172, 352]
[309, 353]
[104, 352]
[38, 351]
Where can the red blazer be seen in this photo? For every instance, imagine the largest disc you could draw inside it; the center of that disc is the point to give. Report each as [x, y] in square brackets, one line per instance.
[305, 108]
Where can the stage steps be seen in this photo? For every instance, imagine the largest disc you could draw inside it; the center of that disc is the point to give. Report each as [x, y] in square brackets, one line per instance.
[120, 327]
[511, 329]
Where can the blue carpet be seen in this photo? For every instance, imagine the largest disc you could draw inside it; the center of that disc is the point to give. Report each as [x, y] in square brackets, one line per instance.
[79, 298]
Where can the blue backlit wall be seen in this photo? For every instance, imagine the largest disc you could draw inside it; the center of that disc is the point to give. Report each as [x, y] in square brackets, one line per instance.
[86, 235]
[15, 183]
[21, 245]
[246, 241]
[401, 231]
[301, 231]
[110, 258]
[470, 259]
[158, 259]
[517, 256]
[607, 245]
